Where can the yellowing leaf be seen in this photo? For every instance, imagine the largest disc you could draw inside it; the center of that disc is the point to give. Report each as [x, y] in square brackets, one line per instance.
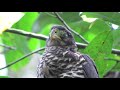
[7, 19]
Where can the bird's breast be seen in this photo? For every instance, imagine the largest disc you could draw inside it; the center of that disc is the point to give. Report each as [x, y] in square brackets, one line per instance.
[63, 66]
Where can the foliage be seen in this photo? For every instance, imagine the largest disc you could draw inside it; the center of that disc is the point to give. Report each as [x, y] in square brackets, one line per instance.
[101, 35]
[4, 77]
[7, 19]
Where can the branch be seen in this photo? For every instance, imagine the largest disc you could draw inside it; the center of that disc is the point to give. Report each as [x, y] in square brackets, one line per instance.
[43, 37]
[22, 58]
[61, 19]
[116, 51]
[8, 47]
[28, 34]
[112, 59]
[81, 45]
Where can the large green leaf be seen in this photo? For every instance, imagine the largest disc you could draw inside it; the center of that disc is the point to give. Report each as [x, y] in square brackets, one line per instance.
[27, 21]
[95, 28]
[99, 48]
[113, 17]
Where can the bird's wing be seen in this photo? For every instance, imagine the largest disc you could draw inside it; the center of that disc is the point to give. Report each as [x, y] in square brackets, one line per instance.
[89, 68]
[40, 73]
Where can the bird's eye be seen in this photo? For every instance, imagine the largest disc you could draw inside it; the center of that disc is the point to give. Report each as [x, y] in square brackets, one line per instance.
[55, 31]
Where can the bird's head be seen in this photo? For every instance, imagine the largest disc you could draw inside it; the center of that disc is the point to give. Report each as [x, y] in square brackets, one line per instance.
[60, 36]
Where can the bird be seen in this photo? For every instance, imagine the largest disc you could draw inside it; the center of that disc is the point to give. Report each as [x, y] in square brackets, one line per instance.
[61, 58]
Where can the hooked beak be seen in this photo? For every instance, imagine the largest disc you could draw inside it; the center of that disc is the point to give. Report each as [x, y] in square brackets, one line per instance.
[54, 36]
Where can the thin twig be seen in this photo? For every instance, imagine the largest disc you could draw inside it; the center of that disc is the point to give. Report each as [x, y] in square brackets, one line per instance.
[81, 45]
[8, 47]
[112, 59]
[20, 59]
[61, 19]
[43, 37]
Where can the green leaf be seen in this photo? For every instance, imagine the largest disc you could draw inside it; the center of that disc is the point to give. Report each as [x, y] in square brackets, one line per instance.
[42, 21]
[4, 77]
[117, 67]
[70, 17]
[99, 48]
[46, 19]
[95, 28]
[116, 44]
[113, 17]
[27, 21]
[24, 46]
[45, 31]
[116, 37]
[80, 27]
[42, 25]
[33, 44]
[20, 43]
[7, 19]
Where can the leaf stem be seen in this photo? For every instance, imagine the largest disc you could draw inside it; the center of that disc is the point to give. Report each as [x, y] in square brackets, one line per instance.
[8, 47]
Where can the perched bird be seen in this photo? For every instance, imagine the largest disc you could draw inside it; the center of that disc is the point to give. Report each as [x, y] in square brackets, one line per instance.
[61, 59]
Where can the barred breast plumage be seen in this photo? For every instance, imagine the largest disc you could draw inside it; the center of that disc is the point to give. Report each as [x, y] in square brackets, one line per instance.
[56, 63]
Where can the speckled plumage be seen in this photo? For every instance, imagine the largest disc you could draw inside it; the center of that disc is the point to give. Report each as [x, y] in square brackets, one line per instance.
[62, 61]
